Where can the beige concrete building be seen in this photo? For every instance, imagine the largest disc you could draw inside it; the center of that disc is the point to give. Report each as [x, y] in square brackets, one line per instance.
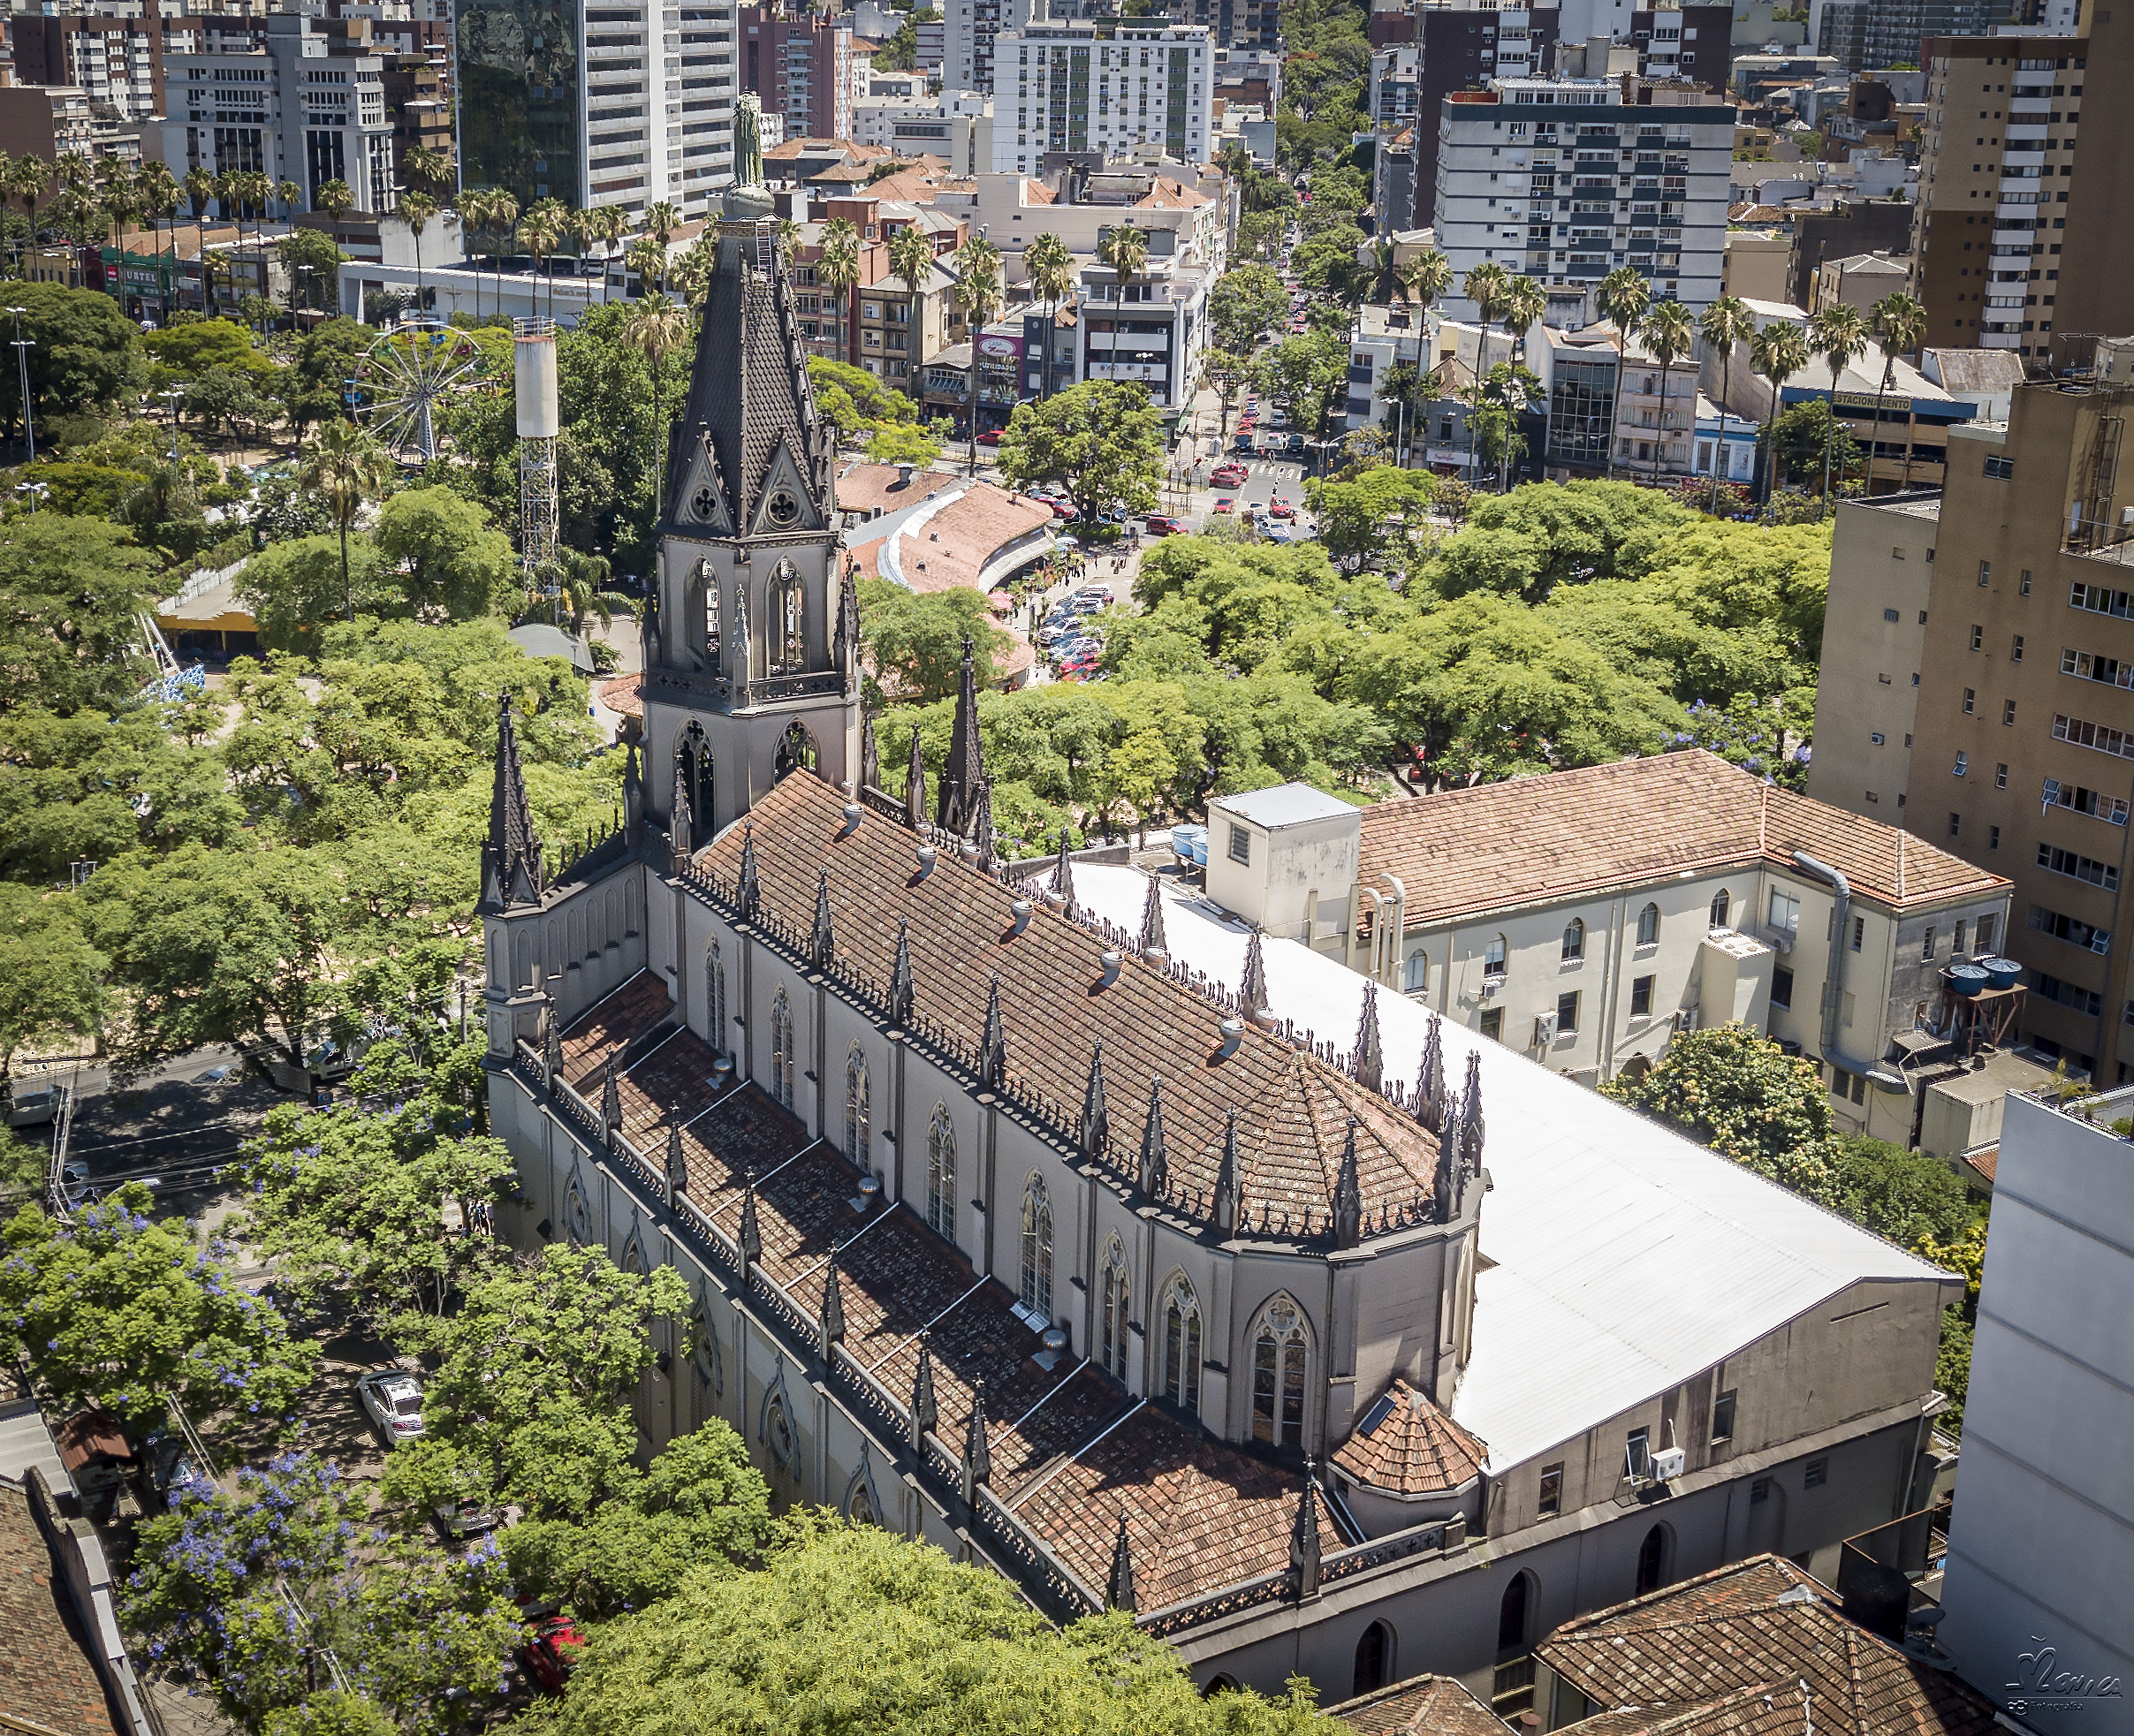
[1585, 917]
[1756, 264]
[1875, 628]
[1859, 280]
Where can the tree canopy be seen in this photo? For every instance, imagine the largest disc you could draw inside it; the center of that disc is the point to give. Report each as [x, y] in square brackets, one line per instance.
[1101, 441]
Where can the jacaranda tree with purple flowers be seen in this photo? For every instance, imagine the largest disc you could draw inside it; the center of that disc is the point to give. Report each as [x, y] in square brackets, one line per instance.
[270, 1590]
[114, 1308]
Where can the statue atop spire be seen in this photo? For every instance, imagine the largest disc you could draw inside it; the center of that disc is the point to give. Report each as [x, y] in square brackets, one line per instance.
[957, 801]
[1153, 945]
[1348, 1195]
[1155, 1171]
[511, 856]
[992, 1048]
[822, 943]
[1096, 1120]
[1367, 1065]
[683, 823]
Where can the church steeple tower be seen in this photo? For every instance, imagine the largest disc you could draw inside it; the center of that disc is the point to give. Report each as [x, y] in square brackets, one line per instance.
[756, 643]
[964, 775]
[511, 855]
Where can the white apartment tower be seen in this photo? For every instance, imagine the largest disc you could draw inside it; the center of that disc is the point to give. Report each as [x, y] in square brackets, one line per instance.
[290, 110]
[1564, 180]
[969, 29]
[1103, 86]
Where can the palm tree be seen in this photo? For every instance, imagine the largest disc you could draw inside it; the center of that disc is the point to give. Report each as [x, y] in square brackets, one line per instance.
[1485, 286]
[29, 176]
[693, 272]
[1051, 268]
[656, 330]
[1837, 333]
[580, 583]
[539, 231]
[1667, 333]
[1727, 323]
[473, 207]
[786, 240]
[288, 195]
[503, 213]
[344, 466]
[336, 198]
[416, 211]
[979, 289]
[662, 219]
[1126, 250]
[1777, 352]
[649, 260]
[1899, 323]
[159, 197]
[424, 164]
[1523, 303]
[1623, 300]
[1388, 272]
[1430, 274]
[605, 224]
[838, 270]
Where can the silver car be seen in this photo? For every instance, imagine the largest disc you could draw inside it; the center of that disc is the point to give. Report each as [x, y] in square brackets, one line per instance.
[392, 1399]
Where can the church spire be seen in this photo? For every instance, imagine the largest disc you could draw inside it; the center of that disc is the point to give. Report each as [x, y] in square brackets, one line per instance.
[845, 653]
[832, 1319]
[748, 892]
[957, 801]
[683, 823]
[1225, 1178]
[1118, 1586]
[678, 1167]
[977, 1449]
[870, 754]
[1429, 1079]
[925, 1412]
[511, 857]
[982, 828]
[992, 1058]
[1096, 1121]
[1304, 1537]
[1153, 945]
[1348, 1195]
[915, 785]
[1367, 1065]
[1155, 1171]
[633, 796]
[1063, 876]
[822, 943]
[902, 990]
[1252, 992]
[738, 668]
[1470, 1118]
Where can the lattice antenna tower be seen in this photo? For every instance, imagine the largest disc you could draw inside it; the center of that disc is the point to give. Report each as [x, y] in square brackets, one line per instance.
[534, 387]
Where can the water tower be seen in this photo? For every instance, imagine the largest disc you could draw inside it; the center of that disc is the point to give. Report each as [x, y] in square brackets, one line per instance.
[534, 388]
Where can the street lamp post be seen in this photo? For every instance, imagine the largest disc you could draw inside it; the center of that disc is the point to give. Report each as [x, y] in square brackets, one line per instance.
[304, 273]
[22, 361]
[173, 397]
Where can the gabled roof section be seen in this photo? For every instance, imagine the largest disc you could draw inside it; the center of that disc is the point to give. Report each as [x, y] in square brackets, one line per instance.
[1760, 1621]
[1420, 1705]
[749, 398]
[1406, 1445]
[1567, 834]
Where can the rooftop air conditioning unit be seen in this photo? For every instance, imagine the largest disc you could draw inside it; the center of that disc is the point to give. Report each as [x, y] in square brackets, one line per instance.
[1545, 1030]
[1668, 1463]
[1491, 984]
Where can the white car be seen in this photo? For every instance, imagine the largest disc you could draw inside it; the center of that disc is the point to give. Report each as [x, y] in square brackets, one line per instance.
[392, 1399]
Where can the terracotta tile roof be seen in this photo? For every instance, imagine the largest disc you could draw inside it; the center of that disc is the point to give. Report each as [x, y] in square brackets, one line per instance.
[1565, 833]
[626, 1014]
[1986, 1162]
[1420, 1705]
[622, 695]
[1767, 1708]
[1200, 1515]
[1405, 1444]
[90, 1438]
[1293, 1111]
[1760, 1621]
[954, 544]
[862, 488]
[49, 1677]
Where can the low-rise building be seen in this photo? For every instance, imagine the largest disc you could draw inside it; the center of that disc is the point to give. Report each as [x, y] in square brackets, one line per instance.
[1858, 281]
[1586, 916]
[1725, 445]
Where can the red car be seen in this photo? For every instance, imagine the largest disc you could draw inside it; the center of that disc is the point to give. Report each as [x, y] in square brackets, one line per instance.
[1279, 508]
[552, 1653]
[1162, 524]
[991, 437]
[1226, 505]
[1229, 475]
[1060, 509]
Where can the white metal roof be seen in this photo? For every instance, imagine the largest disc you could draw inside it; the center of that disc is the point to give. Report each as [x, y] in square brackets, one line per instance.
[1626, 1259]
[1284, 805]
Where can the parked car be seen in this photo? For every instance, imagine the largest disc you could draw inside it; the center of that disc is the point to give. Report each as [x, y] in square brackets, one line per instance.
[1060, 509]
[551, 1655]
[991, 437]
[167, 1464]
[1163, 524]
[392, 1399]
[1279, 508]
[1244, 443]
[1226, 505]
[461, 1520]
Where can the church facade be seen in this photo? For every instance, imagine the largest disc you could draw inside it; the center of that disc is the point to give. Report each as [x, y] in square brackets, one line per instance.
[1011, 1232]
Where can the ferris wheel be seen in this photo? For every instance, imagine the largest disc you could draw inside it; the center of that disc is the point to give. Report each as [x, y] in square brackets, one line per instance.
[399, 383]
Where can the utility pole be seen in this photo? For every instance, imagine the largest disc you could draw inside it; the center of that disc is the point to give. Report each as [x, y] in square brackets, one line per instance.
[22, 360]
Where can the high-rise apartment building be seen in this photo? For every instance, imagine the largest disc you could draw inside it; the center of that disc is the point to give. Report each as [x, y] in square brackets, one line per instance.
[2024, 723]
[798, 63]
[968, 31]
[1564, 180]
[117, 61]
[1101, 85]
[628, 103]
[291, 109]
[1459, 44]
[1997, 171]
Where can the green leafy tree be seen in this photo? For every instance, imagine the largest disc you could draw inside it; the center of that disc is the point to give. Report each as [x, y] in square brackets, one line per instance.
[904, 443]
[313, 262]
[111, 1309]
[1246, 300]
[352, 1203]
[530, 1400]
[701, 1509]
[915, 643]
[345, 467]
[51, 979]
[1226, 373]
[294, 588]
[1745, 1097]
[853, 1629]
[81, 346]
[1102, 441]
[449, 559]
[70, 590]
[1905, 1196]
[1311, 369]
[1379, 518]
